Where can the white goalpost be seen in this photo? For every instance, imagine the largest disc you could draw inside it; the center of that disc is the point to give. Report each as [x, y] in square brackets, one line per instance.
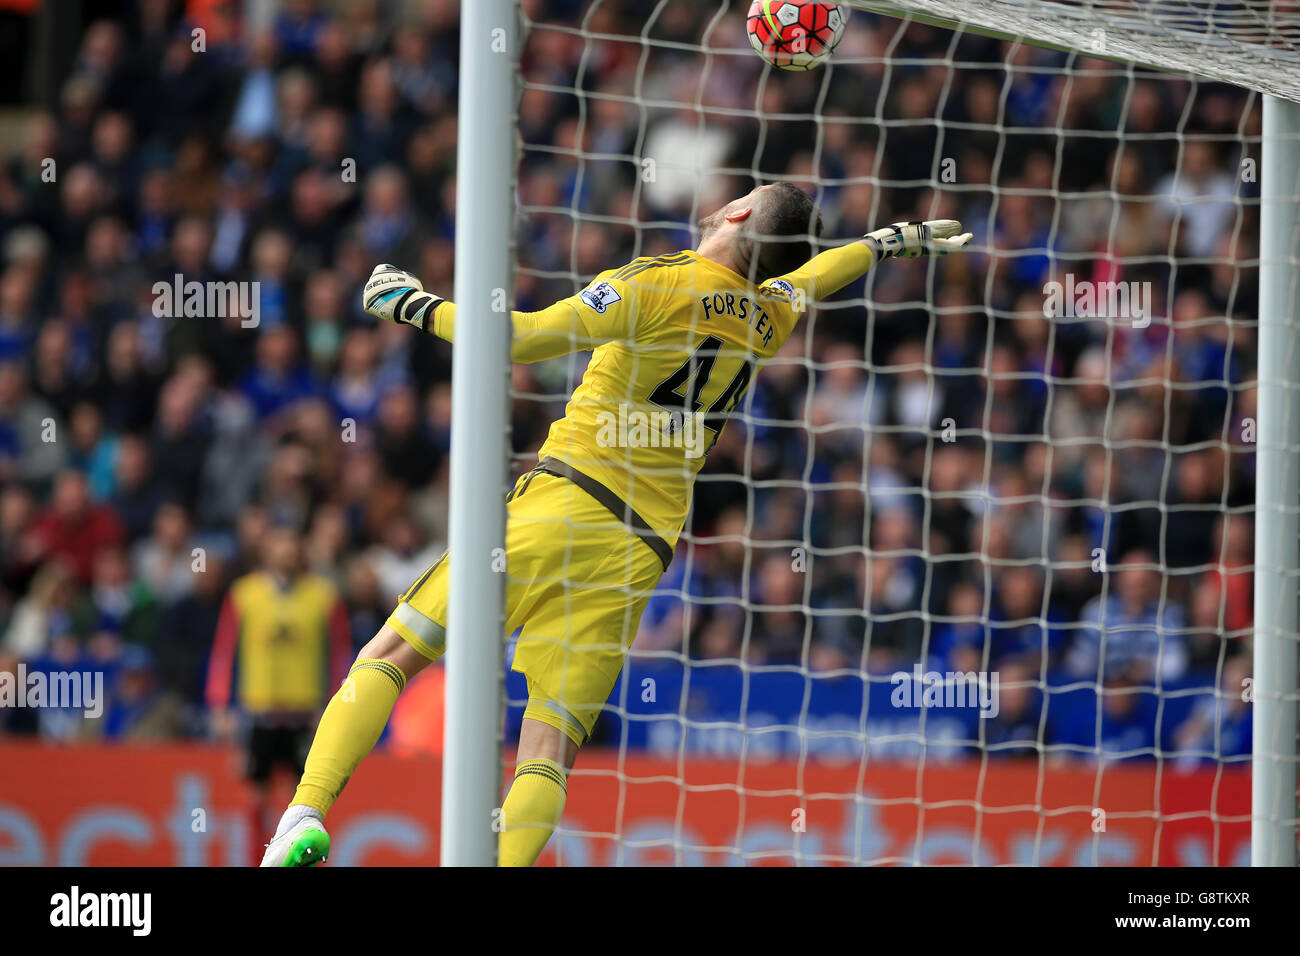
[480, 376]
[1277, 493]
[929, 474]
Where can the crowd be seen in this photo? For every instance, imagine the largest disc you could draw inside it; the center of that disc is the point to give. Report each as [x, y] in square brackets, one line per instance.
[931, 470]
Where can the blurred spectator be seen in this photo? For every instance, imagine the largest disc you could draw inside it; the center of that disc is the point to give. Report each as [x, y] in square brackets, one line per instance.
[1022, 631]
[29, 449]
[137, 709]
[15, 720]
[1128, 725]
[165, 561]
[181, 438]
[93, 451]
[124, 605]
[185, 634]
[408, 453]
[1133, 631]
[138, 497]
[1231, 580]
[277, 380]
[959, 643]
[73, 528]
[48, 610]
[780, 625]
[1219, 727]
[1016, 729]
[1199, 198]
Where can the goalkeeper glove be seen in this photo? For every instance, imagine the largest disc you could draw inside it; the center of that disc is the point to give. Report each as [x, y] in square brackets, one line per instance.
[936, 237]
[397, 296]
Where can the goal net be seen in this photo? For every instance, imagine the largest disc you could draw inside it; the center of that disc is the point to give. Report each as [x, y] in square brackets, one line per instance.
[968, 575]
[1254, 43]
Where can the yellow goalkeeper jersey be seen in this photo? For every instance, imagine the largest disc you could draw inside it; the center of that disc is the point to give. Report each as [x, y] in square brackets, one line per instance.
[676, 342]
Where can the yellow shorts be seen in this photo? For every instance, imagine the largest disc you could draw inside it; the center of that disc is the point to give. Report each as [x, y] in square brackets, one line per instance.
[577, 581]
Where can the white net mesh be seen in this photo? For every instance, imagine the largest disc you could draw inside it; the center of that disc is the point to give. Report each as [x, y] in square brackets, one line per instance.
[1253, 43]
[932, 479]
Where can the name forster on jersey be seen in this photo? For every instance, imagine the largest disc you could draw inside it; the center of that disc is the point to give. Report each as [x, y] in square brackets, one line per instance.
[746, 308]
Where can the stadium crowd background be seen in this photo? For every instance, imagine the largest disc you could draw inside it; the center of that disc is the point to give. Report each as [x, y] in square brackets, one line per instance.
[184, 433]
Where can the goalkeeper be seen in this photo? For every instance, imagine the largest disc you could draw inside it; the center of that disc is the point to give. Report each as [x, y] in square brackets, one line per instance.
[676, 341]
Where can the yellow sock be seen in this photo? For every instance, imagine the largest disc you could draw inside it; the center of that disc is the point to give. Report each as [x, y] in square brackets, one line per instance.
[348, 730]
[532, 809]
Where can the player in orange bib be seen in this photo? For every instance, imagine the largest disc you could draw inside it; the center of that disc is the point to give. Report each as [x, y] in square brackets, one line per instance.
[676, 341]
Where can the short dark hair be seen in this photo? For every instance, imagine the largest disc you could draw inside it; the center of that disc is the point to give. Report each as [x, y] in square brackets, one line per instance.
[785, 223]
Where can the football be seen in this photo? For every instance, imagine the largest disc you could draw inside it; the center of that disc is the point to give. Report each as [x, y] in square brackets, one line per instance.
[795, 34]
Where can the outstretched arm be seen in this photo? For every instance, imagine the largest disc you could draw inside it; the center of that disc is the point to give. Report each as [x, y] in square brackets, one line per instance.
[557, 330]
[830, 271]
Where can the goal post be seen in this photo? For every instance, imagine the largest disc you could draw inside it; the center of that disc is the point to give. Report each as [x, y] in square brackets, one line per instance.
[471, 769]
[1277, 492]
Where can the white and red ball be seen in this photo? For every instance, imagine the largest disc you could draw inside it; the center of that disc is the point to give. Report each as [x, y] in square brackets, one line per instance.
[795, 34]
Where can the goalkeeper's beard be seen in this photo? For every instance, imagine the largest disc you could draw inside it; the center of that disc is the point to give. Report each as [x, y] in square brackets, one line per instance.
[743, 247]
[712, 222]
